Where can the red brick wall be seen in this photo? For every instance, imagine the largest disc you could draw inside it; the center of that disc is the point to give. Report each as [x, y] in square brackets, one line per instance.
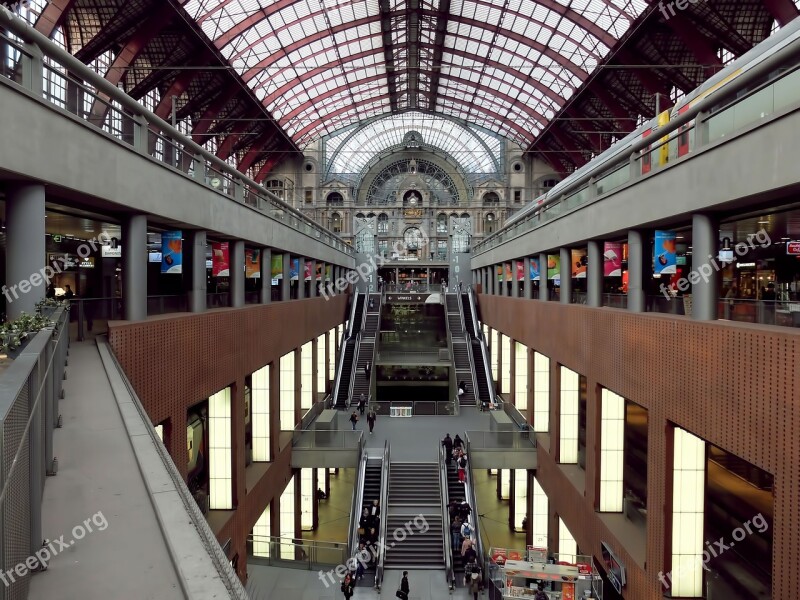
[176, 361]
[735, 385]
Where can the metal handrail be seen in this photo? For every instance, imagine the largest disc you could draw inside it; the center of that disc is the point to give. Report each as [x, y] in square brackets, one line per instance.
[484, 350]
[358, 503]
[337, 381]
[20, 28]
[350, 321]
[469, 492]
[447, 537]
[384, 507]
[728, 93]
[468, 340]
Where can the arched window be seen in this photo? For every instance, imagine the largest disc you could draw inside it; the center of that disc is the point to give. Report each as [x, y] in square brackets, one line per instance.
[276, 187]
[491, 198]
[489, 223]
[441, 223]
[465, 215]
[359, 215]
[370, 215]
[335, 199]
[336, 223]
[383, 223]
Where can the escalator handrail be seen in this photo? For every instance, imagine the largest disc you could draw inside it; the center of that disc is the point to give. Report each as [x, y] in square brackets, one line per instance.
[484, 352]
[469, 493]
[446, 538]
[475, 389]
[473, 310]
[385, 517]
[337, 382]
[358, 502]
[351, 321]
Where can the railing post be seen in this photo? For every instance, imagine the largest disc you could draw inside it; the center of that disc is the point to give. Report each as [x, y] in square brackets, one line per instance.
[199, 168]
[701, 130]
[140, 134]
[33, 69]
[238, 190]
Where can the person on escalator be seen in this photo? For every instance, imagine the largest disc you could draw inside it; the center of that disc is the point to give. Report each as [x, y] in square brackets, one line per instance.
[464, 510]
[462, 468]
[468, 551]
[447, 442]
[365, 522]
[458, 442]
[455, 534]
[375, 509]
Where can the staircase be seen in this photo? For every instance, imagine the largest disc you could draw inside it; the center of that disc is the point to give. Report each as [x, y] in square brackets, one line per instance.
[414, 491]
[454, 316]
[346, 374]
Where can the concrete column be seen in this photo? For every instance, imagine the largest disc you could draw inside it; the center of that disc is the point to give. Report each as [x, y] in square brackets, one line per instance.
[236, 258]
[286, 293]
[514, 281]
[25, 248]
[526, 278]
[638, 258]
[704, 277]
[195, 264]
[301, 277]
[312, 286]
[594, 274]
[544, 293]
[266, 276]
[565, 274]
[134, 267]
[492, 287]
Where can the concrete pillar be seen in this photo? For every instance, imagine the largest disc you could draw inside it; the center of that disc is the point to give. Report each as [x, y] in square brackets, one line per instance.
[526, 278]
[134, 267]
[492, 279]
[565, 274]
[194, 248]
[514, 281]
[312, 286]
[301, 277]
[638, 269]
[25, 248]
[544, 293]
[266, 276]
[286, 293]
[704, 275]
[594, 274]
[236, 258]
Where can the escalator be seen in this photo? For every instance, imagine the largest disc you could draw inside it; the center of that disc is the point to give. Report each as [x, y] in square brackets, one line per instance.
[345, 375]
[358, 315]
[469, 324]
[484, 392]
[372, 491]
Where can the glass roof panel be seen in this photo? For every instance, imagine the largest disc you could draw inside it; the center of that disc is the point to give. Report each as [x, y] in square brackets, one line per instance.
[505, 65]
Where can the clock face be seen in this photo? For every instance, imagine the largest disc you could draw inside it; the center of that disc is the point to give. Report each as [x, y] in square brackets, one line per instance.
[413, 237]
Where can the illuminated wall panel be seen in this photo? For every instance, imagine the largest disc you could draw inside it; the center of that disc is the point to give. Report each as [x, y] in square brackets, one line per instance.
[287, 392]
[260, 414]
[539, 516]
[541, 392]
[505, 371]
[612, 443]
[494, 348]
[287, 510]
[567, 546]
[688, 512]
[261, 533]
[321, 372]
[521, 377]
[332, 342]
[307, 499]
[568, 440]
[520, 496]
[505, 483]
[306, 375]
[220, 476]
[160, 432]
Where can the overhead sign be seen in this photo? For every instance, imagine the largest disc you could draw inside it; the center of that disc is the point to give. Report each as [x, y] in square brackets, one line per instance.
[57, 239]
[793, 248]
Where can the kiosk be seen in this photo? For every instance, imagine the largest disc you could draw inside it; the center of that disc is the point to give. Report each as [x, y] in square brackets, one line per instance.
[570, 579]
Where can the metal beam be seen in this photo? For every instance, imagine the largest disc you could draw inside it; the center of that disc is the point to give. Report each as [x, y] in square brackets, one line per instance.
[234, 136]
[697, 43]
[265, 169]
[412, 59]
[53, 16]
[783, 10]
[211, 113]
[442, 18]
[388, 52]
[179, 85]
[264, 143]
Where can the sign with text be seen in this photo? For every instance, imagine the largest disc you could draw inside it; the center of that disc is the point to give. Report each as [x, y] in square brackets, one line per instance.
[793, 248]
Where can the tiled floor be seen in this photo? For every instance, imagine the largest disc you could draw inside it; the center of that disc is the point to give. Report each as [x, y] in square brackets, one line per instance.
[334, 513]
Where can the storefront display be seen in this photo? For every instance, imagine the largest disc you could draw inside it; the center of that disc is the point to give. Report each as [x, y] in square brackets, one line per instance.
[561, 580]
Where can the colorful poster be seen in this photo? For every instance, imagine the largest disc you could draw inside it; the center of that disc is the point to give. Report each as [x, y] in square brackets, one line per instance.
[307, 272]
[172, 252]
[277, 268]
[553, 266]
[252, 263]
[294, 270]
[499, 555]
[520, 270]
[612, 259]
[664, 256]
[578, 267]
[318, 274]
[535, 276]
[499, 272]
[220, 260]
[567, 591]
[328, 269]
[508, 276]
[515, 555]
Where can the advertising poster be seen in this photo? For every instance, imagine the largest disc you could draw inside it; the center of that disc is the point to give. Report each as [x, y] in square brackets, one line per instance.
[579, 263]
[220, 260]
[277, 268]
[514, 555]
[508, 276]
[612, 259]
[252, 263]
[294, 270]
[318, 274]
[499, 555]
[328, 272]
[307, 275]
[553, 266]
[171, 252]
[567, 591]
[664, 256]
[499, 272]
[535, 269]
[520, 271]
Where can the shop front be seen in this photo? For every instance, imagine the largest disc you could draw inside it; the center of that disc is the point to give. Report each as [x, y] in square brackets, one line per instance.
[520, 574]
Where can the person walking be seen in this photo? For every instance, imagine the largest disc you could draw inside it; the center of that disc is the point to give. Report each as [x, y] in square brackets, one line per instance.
[371, 416]
[362, 404]
[447, 442]
[348, 586]
[367, 369]
[475, 585]
[405, 589]
[354, 419]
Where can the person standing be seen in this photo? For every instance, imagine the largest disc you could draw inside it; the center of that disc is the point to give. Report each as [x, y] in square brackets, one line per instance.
[404, 587]
[68, 293]
[475, 585]
[458, 442]
[371, 416]
[455, 534]
[348, 586]
[462, 467]
[447, 442]
[367, 370]
[354, 419]
[362, 403]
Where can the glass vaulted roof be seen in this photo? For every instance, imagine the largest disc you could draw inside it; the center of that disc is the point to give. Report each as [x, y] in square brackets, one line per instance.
[320, 65]
[475, 151]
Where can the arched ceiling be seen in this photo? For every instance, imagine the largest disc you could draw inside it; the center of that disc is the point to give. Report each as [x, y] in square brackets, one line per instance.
[509, 66]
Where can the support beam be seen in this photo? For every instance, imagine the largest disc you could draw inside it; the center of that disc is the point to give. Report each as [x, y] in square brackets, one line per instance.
[442, 18]
[388, 52]
[783, 10]
[53, 16]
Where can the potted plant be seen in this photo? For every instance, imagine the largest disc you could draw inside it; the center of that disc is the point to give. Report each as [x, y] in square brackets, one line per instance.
[15, 334]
